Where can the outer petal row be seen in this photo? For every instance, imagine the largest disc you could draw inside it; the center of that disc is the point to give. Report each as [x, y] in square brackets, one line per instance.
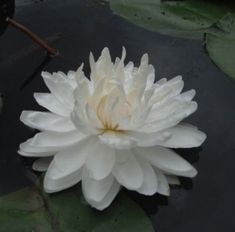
[133, 169]
[46, 121]
[180, 136]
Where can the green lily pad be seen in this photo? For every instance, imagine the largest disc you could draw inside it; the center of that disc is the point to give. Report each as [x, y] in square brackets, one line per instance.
[188, 19]
[222, 52]
[221, 45]
[227, 26]
[30, 210]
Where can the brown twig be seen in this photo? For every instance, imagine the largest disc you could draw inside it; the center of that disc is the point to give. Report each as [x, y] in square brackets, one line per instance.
[33, 36]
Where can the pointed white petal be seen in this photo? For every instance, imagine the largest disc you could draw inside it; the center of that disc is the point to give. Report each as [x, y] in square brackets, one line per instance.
[176, 84]
[120, 68]
[161, 81]
[184, 136]
[150, 182]
[169, 118]
[167, 160]
[149, 139]
[79, 75]
[95, 190]
[167, 90]
[173, 180]
[92, 62]
[82, 93]
[42, 164]
[163, 186]
[47, 143]
[106, 60]
[66, 167]
[151, 77]
[57, 179]
[74, 157]
[107, 200]
[100, 160]
[187, 96]
[128, 173]
[37, 153]
[27, 149]
[59, 87]
[51, 103]
[47, 121]
[80, 119]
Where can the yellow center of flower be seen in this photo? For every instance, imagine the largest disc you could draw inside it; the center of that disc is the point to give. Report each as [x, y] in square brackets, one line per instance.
[108, 116]
[104, 115]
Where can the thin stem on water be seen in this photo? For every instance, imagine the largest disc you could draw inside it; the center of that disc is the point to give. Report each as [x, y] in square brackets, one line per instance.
[51, 51]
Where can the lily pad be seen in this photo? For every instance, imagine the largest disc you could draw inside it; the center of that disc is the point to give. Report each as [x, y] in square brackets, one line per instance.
[188, 19]
[227, 25]
[221, 45]
[30, 210]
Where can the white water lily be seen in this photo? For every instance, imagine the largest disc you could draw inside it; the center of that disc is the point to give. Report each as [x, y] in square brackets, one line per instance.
[113, 130]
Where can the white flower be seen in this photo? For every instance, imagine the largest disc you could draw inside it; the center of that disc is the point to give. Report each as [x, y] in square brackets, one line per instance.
[112, 130]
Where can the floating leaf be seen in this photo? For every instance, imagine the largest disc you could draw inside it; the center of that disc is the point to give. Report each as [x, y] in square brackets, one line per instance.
[227, 25]
[222, 52]
[30, 210]
[221, 45]
[188, 19]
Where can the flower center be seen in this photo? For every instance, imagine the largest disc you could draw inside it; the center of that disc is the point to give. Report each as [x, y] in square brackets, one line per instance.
[104, 115]
[110, 113]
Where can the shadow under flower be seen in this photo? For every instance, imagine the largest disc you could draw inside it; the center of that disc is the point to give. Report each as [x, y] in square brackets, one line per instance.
[151, 203]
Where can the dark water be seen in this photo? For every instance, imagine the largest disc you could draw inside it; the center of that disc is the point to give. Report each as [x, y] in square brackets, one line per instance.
[77, 26]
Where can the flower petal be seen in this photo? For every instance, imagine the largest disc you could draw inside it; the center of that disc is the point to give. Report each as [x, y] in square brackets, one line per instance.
[162, 81]
[47, 121]
[180, 136]
[82, 93]
[173, 180]
[80, 119]
[150, 182]
[165, 90]
[170, 117]
[100, 160]
[184, 136]
[65, 170]
[187, 96]
[128, 171]
[167, 160]
[149, 139]
[42, 164]
[50, 102]
[60, 87]
[163, 186]
[107, 200]
[95, 190]
[57, 179]
[117, 140]
[46, 143]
